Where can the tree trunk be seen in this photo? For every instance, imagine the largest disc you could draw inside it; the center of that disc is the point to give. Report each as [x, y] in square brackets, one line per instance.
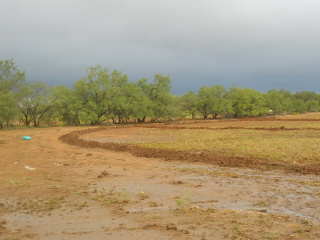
[142, 119]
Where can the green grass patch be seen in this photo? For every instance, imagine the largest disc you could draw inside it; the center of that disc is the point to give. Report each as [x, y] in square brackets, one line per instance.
[291, 147]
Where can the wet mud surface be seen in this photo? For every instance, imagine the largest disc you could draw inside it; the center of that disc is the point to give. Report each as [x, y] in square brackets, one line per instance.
[85, 189]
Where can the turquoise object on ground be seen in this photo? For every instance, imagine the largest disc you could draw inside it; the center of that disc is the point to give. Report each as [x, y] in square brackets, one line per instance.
[26, 138]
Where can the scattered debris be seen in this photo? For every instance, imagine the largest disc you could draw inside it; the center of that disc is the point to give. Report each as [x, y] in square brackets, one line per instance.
[103, 174]
[171, 226]
[57, 164]
[143, 195]
[29, 168]
[177, 182]
[26, 138]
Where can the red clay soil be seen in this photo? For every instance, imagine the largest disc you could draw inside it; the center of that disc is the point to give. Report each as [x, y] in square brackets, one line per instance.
[281, 119]
[206, 157]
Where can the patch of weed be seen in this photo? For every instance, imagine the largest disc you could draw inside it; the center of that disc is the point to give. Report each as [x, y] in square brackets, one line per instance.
[155, 204]
[19, 182]
[272, 235]
[113, 197]
[35, 206]
[184, 201]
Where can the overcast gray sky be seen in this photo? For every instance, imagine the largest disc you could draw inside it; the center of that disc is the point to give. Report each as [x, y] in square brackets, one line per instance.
[260, 44]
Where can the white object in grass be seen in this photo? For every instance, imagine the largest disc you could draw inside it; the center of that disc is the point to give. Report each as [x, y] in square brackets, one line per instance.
[29, 168]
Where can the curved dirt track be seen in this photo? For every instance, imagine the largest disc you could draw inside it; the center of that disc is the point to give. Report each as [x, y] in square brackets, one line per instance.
[73, 138]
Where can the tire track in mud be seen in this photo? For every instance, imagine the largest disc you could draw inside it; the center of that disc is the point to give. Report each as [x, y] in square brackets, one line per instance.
[73, 138]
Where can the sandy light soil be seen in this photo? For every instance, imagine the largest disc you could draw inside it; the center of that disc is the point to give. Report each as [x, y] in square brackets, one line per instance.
[54, 190]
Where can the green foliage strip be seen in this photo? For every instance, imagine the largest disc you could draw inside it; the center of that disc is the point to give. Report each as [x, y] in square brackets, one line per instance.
[108, 96]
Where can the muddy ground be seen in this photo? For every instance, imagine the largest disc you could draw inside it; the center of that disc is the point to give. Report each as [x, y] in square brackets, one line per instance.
[61, 186]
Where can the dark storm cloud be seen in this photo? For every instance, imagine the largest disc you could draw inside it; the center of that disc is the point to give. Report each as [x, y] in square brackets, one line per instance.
[254, 43]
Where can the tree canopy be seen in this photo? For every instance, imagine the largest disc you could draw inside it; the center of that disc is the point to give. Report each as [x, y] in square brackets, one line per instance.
[105, 96]
[11, 82]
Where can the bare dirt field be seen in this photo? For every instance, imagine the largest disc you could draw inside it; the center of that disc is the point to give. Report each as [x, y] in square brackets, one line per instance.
[195, 179]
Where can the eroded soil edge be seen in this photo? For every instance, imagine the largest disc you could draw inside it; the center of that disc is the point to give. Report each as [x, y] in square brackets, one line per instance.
[73, 138]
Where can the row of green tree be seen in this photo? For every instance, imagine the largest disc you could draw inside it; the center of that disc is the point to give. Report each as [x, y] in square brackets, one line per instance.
[104, 96]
